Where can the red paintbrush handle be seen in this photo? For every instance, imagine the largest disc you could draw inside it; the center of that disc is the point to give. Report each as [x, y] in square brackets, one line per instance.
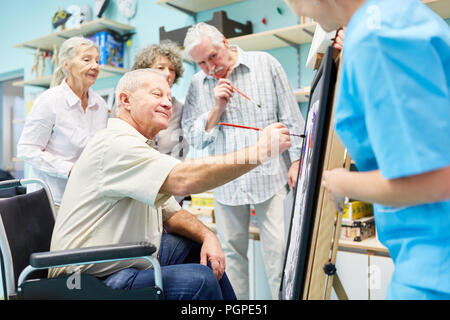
[240, 92]
[253, 128]
[238, 126]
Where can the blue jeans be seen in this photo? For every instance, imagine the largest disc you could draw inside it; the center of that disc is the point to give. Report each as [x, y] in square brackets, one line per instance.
[184, 278]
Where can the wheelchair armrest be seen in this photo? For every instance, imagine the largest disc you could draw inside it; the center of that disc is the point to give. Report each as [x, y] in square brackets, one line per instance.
[6, 184]
[91, 254]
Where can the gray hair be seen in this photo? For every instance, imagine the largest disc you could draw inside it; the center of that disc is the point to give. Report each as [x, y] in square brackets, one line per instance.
[67, 52]
[169, 49]
[197, 33]
[131, 81]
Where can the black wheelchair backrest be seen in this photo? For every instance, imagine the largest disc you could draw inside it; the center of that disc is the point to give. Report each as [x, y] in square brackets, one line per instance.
[28, 224]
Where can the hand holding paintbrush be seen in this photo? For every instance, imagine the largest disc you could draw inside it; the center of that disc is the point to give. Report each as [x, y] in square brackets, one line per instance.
[235, 89]
[272, 142]
[222, 93]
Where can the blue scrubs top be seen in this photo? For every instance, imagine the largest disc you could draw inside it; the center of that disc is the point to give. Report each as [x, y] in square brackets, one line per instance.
[393, 115]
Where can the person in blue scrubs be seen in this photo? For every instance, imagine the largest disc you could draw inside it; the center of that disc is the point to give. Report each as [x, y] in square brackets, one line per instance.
[393, 116]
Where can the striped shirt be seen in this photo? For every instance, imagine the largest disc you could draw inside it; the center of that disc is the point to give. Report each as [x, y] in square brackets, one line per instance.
[261, 77]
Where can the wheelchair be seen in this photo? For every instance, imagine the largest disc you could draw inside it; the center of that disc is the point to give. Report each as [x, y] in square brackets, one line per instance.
[26, 226]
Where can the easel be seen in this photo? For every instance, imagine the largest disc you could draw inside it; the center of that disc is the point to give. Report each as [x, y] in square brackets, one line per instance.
[320, 269]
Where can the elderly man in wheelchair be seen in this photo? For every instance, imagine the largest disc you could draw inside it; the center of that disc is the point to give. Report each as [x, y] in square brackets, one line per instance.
[119, 233]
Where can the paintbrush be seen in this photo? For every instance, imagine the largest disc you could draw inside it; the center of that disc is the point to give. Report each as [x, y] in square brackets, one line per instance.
[213, 73]
[253, 128]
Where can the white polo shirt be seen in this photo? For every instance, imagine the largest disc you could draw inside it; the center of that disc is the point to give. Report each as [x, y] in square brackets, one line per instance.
[113, 197]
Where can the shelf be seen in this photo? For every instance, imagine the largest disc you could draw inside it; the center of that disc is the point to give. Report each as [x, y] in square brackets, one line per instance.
[105, 72]
[441, 7]
[302, 94]
[39, 82]
[88, 28]
[277, 38]
[371, 245]
[195, 6]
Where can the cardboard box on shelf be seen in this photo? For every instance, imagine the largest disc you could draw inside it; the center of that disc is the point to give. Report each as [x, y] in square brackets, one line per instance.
[359, 229]
[356, 209]
[202, 200]
[111, 50]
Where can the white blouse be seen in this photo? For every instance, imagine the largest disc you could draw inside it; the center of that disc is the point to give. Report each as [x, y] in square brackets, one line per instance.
[171, 141]
[56, 132]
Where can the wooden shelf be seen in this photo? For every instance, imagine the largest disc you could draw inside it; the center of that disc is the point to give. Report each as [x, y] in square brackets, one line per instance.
[371, 245]
[277, 38]
[196, 6]
[441, 7]
[302, 94]
[39, 82]
[105, 72]
[57, 38]
[88, 28]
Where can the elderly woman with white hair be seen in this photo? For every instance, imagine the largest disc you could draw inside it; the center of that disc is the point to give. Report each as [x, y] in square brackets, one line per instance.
[64, 118]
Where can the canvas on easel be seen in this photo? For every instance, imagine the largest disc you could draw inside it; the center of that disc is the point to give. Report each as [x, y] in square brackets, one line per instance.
[320, 273]
[308, 200]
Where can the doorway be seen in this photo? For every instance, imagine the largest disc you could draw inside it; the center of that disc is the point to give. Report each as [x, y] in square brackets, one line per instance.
[12, 119]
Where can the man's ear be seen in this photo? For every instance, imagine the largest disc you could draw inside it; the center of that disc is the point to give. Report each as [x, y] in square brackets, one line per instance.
[225, 42]
[124, 99]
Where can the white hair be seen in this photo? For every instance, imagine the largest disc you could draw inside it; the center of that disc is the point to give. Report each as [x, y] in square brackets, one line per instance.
[67, 52]
[131, 81]
[197, 33]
